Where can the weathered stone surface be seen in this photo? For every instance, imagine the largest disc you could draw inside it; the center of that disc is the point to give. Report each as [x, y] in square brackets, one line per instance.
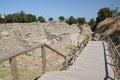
[111, 27]
[16, 37]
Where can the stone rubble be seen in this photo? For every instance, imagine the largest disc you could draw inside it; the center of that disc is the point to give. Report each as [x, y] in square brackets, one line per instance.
[16, 37]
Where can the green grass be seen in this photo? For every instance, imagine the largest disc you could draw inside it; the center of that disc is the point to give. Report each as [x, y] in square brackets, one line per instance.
[70, 46]
[5, 74]
[24, 74]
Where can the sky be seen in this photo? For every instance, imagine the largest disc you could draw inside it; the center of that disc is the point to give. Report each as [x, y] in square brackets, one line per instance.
[56, 8]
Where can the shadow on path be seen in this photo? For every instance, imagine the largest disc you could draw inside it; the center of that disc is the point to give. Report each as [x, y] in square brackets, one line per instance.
[107, 77]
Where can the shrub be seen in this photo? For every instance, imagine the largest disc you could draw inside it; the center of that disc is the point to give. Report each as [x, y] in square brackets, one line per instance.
[81, 21]
[71, 20]
[61, 18]
[41, 19]
[50, 19]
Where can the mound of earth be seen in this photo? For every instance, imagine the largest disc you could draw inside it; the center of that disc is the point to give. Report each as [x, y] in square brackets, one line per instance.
[111, 27]
[16, 37]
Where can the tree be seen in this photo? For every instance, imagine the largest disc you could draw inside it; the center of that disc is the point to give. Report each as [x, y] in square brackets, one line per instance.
[41, 19]
[118, 14]
[9, 18]
[50, 19]
[15, 17]
[91, 22]
[30, 18]
[103, 13]
[61, 18]
[20, 17]
[34, 19]
[115, 11]
[81, 21]
[71, 20]
[1, 19]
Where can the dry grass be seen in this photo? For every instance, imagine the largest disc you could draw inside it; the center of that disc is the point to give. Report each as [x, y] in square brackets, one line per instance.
[5, 74]
[24, 74]
[70, 46]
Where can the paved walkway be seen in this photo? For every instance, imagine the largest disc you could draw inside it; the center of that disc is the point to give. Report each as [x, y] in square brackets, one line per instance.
[92, 64]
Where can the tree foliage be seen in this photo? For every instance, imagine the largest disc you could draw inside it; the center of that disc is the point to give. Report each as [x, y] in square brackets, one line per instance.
[41, 19]
[91, 22]
[50, 19]
[1, 19]
[71, 20]
[115, 11]
[61, 18]
[9, 18]
[103, 13]
[81, 21]
[20, 17]
[30, 18]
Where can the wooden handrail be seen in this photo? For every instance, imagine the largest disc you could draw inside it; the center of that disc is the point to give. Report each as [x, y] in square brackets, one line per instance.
[114, 54]
[113, 46]
[58, 52]
[11, 57]
[55, 50]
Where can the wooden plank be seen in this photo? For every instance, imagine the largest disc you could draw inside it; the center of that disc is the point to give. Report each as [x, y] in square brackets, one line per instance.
[13, 67]
[90, 65]
[43, 59]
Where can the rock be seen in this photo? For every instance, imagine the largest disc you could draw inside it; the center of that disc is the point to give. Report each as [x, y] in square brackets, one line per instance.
[5, 33]
[111, 27]
[17, 37]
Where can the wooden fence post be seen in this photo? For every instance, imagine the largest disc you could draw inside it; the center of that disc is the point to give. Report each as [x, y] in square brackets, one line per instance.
[43, 59]
[66, 63]
[13, 67]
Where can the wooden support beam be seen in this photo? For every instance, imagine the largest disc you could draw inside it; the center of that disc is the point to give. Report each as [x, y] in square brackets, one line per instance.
[43, 59]
[55, 50]
[13, 67]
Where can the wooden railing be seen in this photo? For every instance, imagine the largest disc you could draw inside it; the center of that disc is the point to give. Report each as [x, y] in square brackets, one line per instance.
[114, 54]
[12, 59]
